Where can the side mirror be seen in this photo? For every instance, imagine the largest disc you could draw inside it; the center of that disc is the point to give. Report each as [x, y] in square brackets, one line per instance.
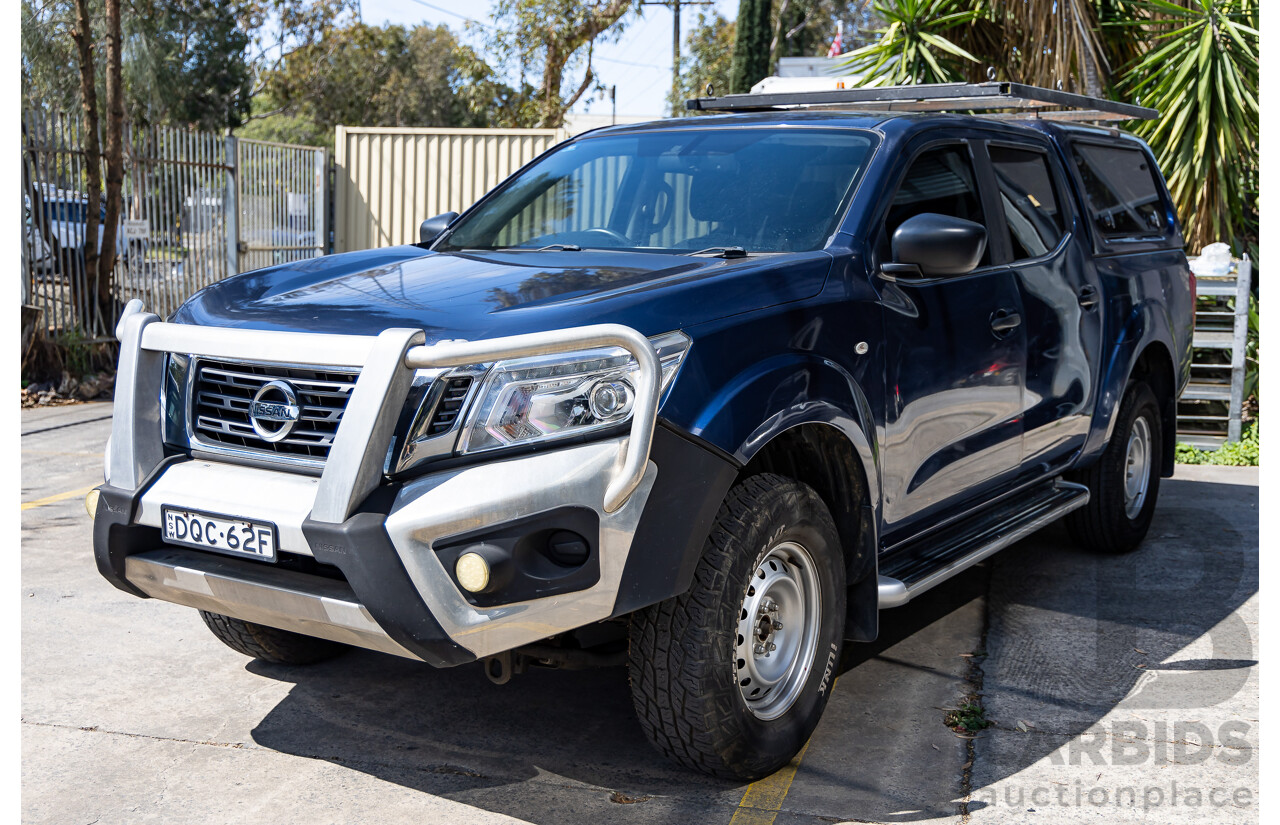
[432, 227]
[933, 245]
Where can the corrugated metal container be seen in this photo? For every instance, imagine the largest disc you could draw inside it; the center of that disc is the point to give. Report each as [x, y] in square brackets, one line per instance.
[390, 179]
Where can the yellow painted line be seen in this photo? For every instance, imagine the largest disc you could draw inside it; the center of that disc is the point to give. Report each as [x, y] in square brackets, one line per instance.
[55, 498]
[82, 453]
[763, 800]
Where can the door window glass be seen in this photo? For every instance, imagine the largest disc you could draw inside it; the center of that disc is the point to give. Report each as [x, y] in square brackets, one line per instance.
[1028, 201]
[940, 181]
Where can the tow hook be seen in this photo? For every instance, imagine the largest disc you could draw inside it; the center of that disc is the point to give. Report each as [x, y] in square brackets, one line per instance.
[503, 666]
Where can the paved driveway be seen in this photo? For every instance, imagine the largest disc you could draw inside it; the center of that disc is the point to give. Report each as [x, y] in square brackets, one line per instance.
[1121, 689]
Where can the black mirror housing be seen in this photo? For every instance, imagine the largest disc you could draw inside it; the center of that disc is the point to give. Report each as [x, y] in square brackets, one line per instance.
[939, 245]
[431, 228]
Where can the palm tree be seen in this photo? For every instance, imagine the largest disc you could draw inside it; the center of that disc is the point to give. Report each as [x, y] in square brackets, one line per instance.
[1200, 69]
[1052, 42]
[914, 47]
[1194, 60]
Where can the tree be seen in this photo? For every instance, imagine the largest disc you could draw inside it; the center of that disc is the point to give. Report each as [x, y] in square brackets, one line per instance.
[805, 28]
[801, 28]
[1201, 71]
[915, 46]
[750, 45]
[188, 63]
[378, 76]
[1048, 42]
[184, 62]
[115, 157]
[82, 34]
[545, 38]
[708, 51]
[49, 50]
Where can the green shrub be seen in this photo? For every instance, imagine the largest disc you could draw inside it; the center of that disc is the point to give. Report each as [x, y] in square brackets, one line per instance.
[1242, 453]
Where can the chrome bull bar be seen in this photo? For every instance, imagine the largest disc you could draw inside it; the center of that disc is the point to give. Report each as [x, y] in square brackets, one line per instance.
[387, 363]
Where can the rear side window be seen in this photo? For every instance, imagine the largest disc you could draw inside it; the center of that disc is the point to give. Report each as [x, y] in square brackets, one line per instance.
[1028, 201]
[1120, 187]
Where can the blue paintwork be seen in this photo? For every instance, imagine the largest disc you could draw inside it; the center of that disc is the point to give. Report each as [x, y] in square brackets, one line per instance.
[939, 422]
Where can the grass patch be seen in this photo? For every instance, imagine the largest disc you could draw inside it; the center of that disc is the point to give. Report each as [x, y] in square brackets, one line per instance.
[970, 717]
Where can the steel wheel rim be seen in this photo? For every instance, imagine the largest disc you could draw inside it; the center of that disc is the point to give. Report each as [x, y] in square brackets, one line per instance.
[777, 633]
[1137, 464]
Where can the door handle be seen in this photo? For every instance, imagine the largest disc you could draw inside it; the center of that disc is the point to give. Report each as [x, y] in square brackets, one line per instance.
[1088, 297]
[1004, 320]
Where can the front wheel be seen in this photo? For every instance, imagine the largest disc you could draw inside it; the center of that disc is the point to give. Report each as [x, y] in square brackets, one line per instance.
[1124, 482]
[270, 644]
[731, 677]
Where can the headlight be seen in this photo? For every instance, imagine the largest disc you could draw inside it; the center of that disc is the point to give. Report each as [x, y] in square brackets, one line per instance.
[173, 400]
[535, 400]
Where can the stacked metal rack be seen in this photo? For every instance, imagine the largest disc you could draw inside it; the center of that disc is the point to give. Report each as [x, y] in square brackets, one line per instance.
[1211, 408]
[1011, 99]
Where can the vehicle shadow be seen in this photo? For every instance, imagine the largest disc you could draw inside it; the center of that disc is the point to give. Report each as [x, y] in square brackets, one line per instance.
[1061, 628]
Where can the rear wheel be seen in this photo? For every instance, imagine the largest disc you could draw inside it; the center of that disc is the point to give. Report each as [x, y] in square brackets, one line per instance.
[1124, 483]
[269, 643]
[731, 677]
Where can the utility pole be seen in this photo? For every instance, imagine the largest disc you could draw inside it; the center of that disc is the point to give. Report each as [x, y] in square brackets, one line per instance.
[675, 6]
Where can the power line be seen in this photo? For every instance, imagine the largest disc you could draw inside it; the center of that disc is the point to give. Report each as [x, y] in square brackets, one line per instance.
[599, 58]
[626, 62]
[443, 10]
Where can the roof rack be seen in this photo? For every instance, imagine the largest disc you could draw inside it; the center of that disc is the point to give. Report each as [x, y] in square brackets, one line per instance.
[1016, 99]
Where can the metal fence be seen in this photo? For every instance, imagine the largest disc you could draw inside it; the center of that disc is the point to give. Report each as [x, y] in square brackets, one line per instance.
[196, 207]
[389, 179]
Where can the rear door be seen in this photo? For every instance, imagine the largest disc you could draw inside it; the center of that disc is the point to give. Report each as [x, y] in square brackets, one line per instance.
[1036, 232]
[955, 350]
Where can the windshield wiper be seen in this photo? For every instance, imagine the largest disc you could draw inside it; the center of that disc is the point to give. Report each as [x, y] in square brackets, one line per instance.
[722, 251]
[559, 247]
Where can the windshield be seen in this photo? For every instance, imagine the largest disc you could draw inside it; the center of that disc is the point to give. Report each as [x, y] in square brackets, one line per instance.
[677, 190]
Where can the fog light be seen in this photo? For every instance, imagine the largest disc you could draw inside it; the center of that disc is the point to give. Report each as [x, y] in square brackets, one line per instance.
[472, 571]
[91, 503]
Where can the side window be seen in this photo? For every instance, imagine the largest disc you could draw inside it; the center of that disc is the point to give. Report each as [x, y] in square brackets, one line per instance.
[1120, 187]
[939, 181]
[1028, 201]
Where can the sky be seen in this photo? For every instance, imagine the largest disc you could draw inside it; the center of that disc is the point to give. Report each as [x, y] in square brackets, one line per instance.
[639, 63]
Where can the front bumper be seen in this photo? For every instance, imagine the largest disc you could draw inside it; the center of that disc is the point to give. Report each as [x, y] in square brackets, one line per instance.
[395, 593]
[378, 579]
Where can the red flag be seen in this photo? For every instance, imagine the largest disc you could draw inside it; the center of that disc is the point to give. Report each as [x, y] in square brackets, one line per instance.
[837, 45]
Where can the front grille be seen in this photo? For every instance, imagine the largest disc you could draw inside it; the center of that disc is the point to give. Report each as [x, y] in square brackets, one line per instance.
[223, 391]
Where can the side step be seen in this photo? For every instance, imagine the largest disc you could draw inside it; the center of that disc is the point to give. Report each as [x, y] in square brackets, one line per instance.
[937, 557]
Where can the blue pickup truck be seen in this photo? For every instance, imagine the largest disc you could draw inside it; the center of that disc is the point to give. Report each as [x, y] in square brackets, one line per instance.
[700, 396]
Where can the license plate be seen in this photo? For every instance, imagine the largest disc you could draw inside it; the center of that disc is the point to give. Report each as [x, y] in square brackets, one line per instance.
[224, 534]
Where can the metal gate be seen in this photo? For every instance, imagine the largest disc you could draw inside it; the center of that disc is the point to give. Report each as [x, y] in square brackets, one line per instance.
[280, 191]
[171, 240]
[196, 208]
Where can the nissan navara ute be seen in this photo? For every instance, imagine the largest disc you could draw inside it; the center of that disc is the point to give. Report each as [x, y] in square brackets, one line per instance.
[700, 395]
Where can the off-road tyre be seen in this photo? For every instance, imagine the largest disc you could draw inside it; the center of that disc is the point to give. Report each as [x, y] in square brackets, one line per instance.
[268, 643]
[681, 653]
[1102, 525]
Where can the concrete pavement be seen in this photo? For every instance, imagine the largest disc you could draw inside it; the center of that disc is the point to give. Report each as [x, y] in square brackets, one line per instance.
[1099, 674]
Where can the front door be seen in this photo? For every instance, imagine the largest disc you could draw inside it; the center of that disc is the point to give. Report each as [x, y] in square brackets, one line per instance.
[955, 355]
